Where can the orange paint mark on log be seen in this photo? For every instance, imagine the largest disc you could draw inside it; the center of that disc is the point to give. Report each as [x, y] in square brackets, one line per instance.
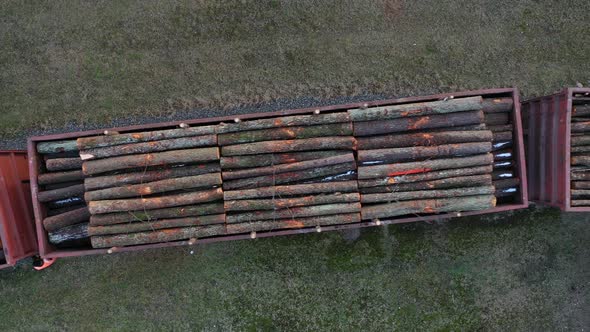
[295, 224]
[417, 124]
[427, 136]
[412, 171]
[278, 122]
[429, 209]
[137, 136]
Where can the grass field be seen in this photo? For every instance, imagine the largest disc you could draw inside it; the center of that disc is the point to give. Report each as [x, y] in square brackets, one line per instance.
[67, 65]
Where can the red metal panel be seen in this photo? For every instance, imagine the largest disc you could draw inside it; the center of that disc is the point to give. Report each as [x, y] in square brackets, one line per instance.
[16, 213]
[548, 149]
[48, 251]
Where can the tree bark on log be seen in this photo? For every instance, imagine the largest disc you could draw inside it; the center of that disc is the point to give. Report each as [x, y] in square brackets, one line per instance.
[580, 202]
[394, 155]
[580, 176]
[56, 146]
[286, 133]
[292, 190]
[500, 128]
[295, 212]
[345, 176]
[108, 206]
[85, 143]
[503, 155]
[416, 109]
[108, 181]
[581, 110]
[503, 164]
[580, 160]
[59, 194]
[580, 140]
[501, 136]
[270, 159]
[69, 234]
[284, 121]
[505, 192]
[580, 193]
[91, 167]
[144, 189]
[59, 177]
[391, 170]
[507, 183]
[282, 168]
[580, 149]
[580, 127]
[580, 184]
[496, 105]
[147, 147]
[64, 203]
[164, 235]
[458, 182]
[284, 203]
[55, 212]
[54, 223]
[63, 164]
[497, 119]
[497, 146]
[469, 203]
[269, 225]
[289, 177]
[142, 226]
[150, 215]
[503, 174]
[424, 194]
[370, 128]
[422, 139]
[53, 186]
[473, 127]
[307, 144]
[429, 176]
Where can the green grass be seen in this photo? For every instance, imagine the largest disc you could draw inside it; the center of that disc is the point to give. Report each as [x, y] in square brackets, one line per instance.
[524, 271]
[91, 62]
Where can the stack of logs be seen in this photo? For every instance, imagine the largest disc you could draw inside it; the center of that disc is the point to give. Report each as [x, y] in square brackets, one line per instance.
[498, 119]
[289, 172]
[424, 158]
[580, 155]
[61, 190]
[281, 172]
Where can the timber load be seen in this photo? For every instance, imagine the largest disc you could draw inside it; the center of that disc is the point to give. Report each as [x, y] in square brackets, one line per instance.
[580, 155]
[289, 172]
[424, 158]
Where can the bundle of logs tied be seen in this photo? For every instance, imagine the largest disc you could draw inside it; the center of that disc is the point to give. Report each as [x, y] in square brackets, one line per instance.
[289, 172]
[424, 158]
[580, 155]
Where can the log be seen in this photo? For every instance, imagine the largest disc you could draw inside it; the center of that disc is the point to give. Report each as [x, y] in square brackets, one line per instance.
[580, 184]
[64, 203]
[59, 194]
[391, 170]
[474, 127]
[497, 119]
[499, 128]
[282, 168]
[66, 219]
[150, 188]
[503, 164]
[580, 149]
[56, 146]
[458, 182]
[580, 160]
[288, 177]
[419, 177]
[307, 144]
[158, 236]
[270, 159]
[119, 205]
[507, 183]
[107, 181]
[503, 174]
[91, 167]
[345, 176]
[143, 226]
[468, 203]
[501, 136]
[69, 234]
[55, 212]
[393, 155]
[580, 176]
[580, 193]
[294, 212]
[292, 190]
[580, 127]
[496, 105]
[285, 121]
[150, 215]
[284, 203]
[68, 154]
[580, 140]
[147, 147]
[422, 139]
[370, 128]
[59, 177]
[85, 143]
[63, 164]
[269, 225]
[580, 202]
[416, 109]
[299, 132]
[60, 185]
[424, 194]
[505, 192]
[581, 110]
[503, 155]
[497, 146]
